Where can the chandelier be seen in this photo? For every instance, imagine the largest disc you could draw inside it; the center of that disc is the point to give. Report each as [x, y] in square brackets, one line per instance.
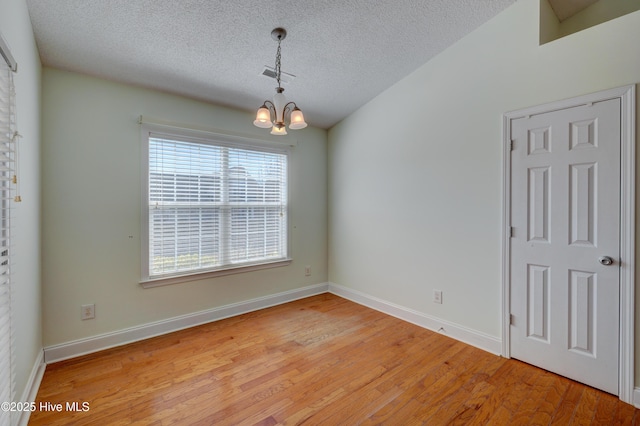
[273, 114]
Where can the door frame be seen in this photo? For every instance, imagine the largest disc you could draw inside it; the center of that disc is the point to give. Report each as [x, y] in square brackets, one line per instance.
[627, 96]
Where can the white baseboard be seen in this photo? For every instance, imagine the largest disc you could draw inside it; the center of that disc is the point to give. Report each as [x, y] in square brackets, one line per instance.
[31, 389]
[636, 397]
[458, 332]
[100, 342]
[109, 340]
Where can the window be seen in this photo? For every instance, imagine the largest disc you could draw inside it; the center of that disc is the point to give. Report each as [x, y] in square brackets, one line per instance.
[212, 205]
[8, 137]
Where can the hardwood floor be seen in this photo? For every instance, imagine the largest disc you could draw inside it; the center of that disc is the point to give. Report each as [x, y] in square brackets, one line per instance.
[320, 360]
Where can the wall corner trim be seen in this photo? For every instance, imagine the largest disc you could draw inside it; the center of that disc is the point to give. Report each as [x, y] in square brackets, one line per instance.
[100, 342]
[466, 335]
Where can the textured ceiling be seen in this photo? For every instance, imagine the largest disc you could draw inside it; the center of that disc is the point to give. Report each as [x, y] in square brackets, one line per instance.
[342, 52]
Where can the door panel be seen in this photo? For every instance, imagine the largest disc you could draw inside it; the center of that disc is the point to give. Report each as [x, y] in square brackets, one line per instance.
[565, 214]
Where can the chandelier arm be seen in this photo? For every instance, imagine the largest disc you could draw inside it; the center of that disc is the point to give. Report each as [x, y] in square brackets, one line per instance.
[272, 110]
[288, 108]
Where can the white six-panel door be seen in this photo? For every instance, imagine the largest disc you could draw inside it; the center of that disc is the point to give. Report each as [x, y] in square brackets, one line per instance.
[565, 243]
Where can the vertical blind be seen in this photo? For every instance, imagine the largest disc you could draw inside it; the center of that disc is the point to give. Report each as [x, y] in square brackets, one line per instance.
[214, 206]
[7, 152]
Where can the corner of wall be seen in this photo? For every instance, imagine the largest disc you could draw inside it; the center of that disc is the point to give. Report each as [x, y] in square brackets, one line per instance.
[549, 24]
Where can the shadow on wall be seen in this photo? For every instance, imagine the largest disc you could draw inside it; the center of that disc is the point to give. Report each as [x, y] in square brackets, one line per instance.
[553, 28]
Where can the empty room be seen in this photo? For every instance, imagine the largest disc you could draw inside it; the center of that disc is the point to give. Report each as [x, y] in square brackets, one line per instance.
[319, 212]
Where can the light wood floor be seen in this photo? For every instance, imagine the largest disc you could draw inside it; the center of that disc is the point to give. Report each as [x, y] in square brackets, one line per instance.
[320, 360]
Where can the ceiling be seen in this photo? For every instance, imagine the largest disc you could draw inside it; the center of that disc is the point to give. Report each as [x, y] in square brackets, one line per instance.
[342, 52]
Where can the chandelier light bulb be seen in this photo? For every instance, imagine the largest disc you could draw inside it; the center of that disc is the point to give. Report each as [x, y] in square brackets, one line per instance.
[263, 118]
[278, 130]
[297, 119]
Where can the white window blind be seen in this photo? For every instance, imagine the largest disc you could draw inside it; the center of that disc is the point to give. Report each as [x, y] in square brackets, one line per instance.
[7, 152]
[213, 205]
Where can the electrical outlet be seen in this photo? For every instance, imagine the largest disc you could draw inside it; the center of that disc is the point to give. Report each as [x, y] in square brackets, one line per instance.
[307, 271]
[437, 296]
[88, 312]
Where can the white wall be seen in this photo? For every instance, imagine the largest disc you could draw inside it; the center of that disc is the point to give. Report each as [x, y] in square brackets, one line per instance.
[415, 175]
[91, 205]
[15, 26]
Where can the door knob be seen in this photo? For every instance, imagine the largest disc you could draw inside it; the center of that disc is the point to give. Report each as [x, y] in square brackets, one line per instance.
[605, 260]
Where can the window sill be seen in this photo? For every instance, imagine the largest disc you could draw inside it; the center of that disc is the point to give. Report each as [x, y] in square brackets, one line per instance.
[177, 279]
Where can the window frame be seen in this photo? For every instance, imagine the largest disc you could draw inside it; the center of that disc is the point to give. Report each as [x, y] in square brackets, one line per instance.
[150, 129]
[9, 196]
